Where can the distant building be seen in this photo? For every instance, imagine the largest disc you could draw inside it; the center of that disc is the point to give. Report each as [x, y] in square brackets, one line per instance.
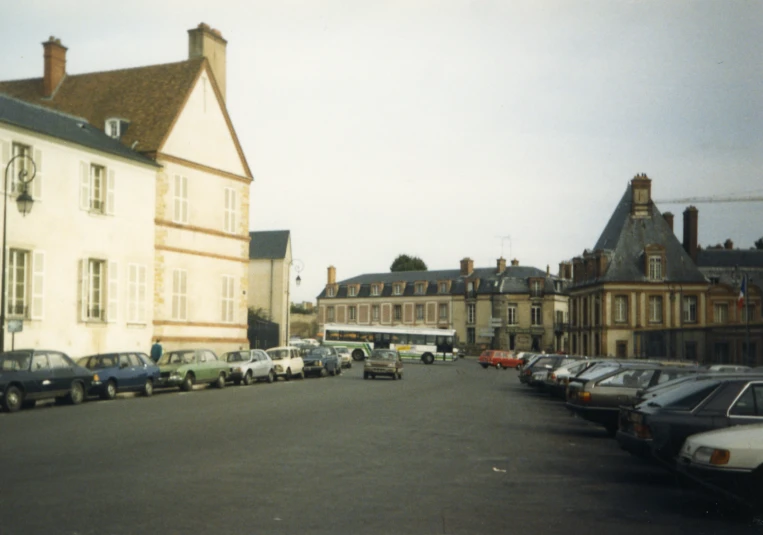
[269, 282]
[505, 307]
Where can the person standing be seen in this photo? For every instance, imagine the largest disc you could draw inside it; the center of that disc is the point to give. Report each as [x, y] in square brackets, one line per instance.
[156, 351]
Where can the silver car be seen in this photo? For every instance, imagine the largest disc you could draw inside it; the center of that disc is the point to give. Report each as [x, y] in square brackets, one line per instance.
[250, 365]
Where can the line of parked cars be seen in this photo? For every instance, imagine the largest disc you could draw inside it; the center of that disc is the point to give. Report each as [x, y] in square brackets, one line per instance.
[703, 423]
[31, 375]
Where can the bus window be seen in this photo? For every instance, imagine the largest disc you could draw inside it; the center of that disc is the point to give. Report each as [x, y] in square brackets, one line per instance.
[350, 336]
[381, 340]
[332, 335]
[430, 339]
[444, 344]
[418, 339]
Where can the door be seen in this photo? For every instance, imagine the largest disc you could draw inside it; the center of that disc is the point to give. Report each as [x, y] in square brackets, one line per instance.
[260, 366]
[125, 372]
[138, 371]
[63, 373]
[41, 382]
[748, 408]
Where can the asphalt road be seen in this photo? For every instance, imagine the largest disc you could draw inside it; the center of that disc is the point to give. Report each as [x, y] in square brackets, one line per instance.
[451, 449]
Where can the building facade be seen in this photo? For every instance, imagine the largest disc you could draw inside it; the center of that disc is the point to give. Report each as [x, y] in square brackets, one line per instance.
[176, 115]
[506, 307]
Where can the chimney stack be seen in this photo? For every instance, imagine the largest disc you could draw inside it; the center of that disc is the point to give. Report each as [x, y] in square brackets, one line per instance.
[515, 262]
[332, 275]
[669, 219]
[728, 244]
[691, 218]
[55, 65]
[207, 42]
[641, 194]
[467, 266]
[501, 265]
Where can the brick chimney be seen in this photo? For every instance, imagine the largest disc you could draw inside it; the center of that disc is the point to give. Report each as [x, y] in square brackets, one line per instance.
[467, 266]
[691, 222]
[641, 195]
[728, 245]
[55, 65]
[669, 219]
[207, 42]
[515, 262]
[332, 275]
[501, 265]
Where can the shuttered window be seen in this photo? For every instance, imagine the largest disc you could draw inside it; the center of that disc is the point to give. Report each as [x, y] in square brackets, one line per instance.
[227, 315]
[230, 210]
[180, 200]
[136, 293]
[179, 298]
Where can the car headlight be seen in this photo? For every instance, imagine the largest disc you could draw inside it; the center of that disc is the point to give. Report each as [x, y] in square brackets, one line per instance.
[96, 379]
[712, 456]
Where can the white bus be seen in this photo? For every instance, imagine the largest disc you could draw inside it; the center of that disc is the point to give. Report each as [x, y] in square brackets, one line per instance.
[410, 342]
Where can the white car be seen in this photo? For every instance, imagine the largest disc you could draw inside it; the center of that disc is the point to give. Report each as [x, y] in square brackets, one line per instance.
[287, 362]
[250, 365]
[345, 357]
[728, 461]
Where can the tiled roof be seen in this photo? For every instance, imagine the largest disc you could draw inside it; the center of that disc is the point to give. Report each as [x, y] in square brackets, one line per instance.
[149, 98]
[625, 237]
[64, 127]
[268, 244]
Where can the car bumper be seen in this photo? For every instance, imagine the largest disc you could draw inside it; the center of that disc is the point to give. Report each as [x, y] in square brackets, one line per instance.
[164, 382]
[634, 445]
[735, 484]
[605, 416]
[380, 371]
[309, 370]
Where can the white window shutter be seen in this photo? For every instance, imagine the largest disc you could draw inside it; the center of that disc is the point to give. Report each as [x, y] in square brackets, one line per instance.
[132, 292]
[84, 187]
[142, 294]
[83, 289]
[110, 193]
[113, 293]
[38, 284]
[5, 155]
[184, 182]
[176, 200]
[37, 182]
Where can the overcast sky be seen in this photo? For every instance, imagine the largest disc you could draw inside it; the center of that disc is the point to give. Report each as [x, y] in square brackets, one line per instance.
[433, 128]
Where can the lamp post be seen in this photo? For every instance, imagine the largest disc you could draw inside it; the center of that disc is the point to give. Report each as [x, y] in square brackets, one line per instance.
[298, 267]
[24, 203]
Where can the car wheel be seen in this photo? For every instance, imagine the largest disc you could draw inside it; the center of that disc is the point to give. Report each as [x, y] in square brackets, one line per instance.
[498, 366]
[324, 372]
[427, 358]
[373, 376]
[187, 384]
[301, 374]
[358, 355]
[220, 381]
[13, 399]
[339, 370]
[288, 374]
[271, 376]
[400, 375]
[394, 376]
[109, 391]
[349, 364]
[248, 378]
[76, 394]
[365, 375]
[148, 388]
[484, 366]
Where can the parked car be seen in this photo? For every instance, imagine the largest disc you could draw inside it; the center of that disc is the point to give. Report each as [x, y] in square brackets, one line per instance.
[599, 400]
[498, 359]
[345, 357]
[249, 365]
[187, 367]
[727, 461]
[383, 362]
[534, 372]
[322, 361]
[121, 372]
[287, 362]
[728, 368]
[557, 380]
[31, 375]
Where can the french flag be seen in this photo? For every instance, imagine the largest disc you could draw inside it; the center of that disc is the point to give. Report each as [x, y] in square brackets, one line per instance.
[742, 292]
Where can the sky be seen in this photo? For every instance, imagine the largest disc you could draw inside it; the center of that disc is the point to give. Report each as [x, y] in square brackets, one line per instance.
[454, 128]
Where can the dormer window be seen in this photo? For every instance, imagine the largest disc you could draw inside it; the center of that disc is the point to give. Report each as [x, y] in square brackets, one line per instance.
[331, 291]
[536, 288]
[375, 289]
[443, 288]
[353, 291]
[397, 289]
[420, 288]
[116, 128]
[655, 267]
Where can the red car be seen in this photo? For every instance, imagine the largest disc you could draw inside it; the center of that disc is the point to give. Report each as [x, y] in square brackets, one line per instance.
[499, 359]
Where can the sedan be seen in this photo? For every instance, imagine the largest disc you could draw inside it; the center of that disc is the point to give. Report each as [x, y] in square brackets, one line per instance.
[186, 367]
[250, 365]
[30, 375]
[121, 372]
[383, 362]
[322, 361]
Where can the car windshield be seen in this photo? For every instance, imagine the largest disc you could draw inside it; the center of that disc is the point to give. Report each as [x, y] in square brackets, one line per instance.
[278, 354]
[683, 397]
[98, 362]
[14, 361]
[383, 354]
[178, 357]
[597, 370]
[318, 352]
[236, 356]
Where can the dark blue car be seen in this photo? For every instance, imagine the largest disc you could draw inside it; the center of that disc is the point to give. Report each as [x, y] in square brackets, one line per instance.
[121, 372]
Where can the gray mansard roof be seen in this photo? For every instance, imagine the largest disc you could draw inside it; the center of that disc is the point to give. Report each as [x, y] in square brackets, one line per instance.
[514, 280]
[728, 265]
[625, 237]
[268, 244]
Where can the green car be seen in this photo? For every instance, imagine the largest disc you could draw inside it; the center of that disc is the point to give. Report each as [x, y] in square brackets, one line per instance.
[187, 367]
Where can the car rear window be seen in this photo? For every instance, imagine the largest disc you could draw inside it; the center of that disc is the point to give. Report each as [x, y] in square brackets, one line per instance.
[629, 378]
[684, 397]
[597, 370]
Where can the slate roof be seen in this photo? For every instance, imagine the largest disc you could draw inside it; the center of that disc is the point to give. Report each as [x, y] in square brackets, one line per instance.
[514, 280]
[624, 239]
[730, 258]
[64, 127]
[268, 244]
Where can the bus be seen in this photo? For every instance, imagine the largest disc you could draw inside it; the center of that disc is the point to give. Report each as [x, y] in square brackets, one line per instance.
[410, 342]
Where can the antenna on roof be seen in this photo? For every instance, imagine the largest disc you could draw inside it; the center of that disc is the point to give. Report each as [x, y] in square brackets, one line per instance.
[504, 238]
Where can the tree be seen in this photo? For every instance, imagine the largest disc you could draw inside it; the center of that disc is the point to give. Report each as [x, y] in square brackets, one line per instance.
[408, 263]
[759, 243]
[255, 315]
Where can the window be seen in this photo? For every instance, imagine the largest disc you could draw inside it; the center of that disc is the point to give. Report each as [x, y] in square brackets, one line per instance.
[330, 314]
[352, 313]
[227, 300]
[353, 291]
[19, 165]
[419, 312]
[536, 315]
[114, 128]
[136, 293]
[443, 311]
[721, 312]
[536, 288]
[95, 290]
[748, 313]
[179, 295]
[655, 309]
[331, 291]
[230, 210]
[471, 313]
[512, 314]
[621, 309]
[420, 288]
[750, 403]
[470, 335]
[443, 288]
[17, 283]
[690, 309]
[397, 289]
[398, 312]
[375, 290]
[375, 313]
[96, 189]
[655, 268]
[180, 200]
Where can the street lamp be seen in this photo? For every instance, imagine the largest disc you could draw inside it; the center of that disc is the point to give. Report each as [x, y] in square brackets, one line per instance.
[24, 203]
[298, 267]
